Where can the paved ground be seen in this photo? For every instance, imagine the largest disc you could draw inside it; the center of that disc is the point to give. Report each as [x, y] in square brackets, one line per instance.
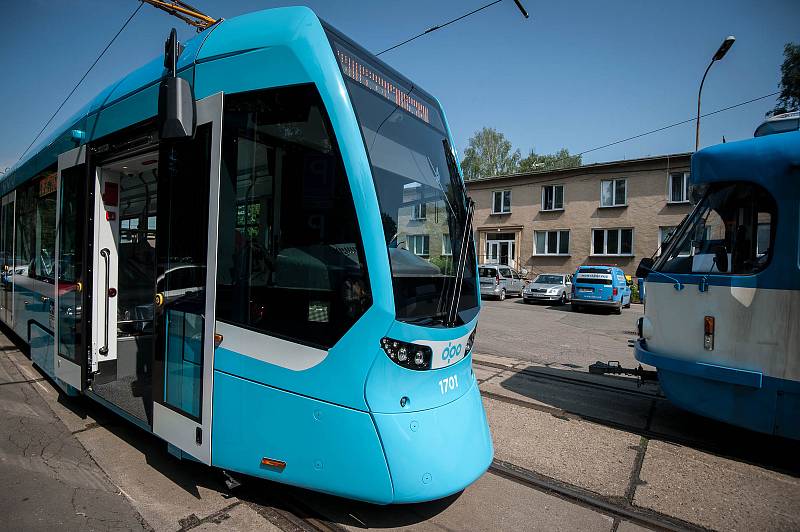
[587, 453]
[553, 334]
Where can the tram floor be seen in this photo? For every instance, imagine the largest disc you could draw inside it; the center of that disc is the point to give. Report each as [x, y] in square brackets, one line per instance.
[580, 467]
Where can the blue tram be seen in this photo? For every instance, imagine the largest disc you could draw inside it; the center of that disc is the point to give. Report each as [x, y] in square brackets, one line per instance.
[723, 298]
[263, 255]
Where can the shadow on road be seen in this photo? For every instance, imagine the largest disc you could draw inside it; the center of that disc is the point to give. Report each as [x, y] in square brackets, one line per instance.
[617, 403]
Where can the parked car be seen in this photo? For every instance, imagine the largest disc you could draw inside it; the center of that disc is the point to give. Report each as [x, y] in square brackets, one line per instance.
[600, 286]
[500, 281]
[549, 287]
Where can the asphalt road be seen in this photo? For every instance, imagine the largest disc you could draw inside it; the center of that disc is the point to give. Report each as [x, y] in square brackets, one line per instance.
[553, 335]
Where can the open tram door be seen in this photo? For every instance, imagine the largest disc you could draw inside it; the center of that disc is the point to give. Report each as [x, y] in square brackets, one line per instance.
[186, 277]
[68, 313]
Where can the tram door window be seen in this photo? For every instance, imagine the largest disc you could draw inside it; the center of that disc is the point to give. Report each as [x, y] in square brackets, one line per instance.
[6, 256]
[182, 252]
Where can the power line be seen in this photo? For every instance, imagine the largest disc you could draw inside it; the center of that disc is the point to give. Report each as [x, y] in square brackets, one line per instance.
[678, 123]
[81, 80]
[440, 26]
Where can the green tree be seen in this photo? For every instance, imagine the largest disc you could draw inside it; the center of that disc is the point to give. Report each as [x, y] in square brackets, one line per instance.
[539, 162]
[489, 153]
[789, 98]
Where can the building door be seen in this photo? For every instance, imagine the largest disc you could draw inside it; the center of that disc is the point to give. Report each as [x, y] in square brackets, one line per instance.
[185, 290]
[500, 249]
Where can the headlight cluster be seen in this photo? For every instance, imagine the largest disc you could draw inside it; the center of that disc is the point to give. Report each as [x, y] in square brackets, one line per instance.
[407, 355]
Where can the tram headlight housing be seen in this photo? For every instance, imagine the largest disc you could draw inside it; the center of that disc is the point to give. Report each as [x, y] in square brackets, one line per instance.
[408, 355]
[470, 342]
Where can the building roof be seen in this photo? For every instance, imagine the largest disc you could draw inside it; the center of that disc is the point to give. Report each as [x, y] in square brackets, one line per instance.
[583, 169]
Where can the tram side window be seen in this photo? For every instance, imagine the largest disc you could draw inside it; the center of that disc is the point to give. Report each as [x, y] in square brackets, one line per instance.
[25, 224]
[731, 232]
[291, 259]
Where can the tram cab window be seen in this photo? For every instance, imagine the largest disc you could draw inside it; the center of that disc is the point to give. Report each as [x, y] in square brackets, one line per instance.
[291, 260]
[731, 231]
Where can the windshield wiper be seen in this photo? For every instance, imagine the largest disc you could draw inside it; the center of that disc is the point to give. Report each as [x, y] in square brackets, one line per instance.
[459, 188]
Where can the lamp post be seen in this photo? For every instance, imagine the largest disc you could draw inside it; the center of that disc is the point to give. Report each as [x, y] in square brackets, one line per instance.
[721, 51]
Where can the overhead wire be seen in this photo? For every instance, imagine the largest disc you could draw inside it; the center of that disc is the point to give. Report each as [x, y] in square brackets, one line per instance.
[81, 80]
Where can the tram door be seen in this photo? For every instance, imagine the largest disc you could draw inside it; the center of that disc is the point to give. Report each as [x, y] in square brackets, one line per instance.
[69, 310]
[186, 243]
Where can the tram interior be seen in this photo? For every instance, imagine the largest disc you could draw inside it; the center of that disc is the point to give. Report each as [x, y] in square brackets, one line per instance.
[130, 386]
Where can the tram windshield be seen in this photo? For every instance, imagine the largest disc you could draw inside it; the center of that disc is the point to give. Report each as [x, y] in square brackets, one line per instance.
[731, 231]
[423, 210]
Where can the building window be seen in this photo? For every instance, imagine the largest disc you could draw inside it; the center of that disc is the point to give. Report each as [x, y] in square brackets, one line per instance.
[612, 241]
[613, 193]
[678, 187]
[551, 242]
[447, 247]
[419, 245]
[501, 202]
[552, 197]
[419, 211]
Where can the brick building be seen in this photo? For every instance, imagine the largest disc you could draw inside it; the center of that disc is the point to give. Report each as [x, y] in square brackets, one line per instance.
[605, 213]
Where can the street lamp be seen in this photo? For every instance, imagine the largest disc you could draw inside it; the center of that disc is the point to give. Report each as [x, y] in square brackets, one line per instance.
[723, 49]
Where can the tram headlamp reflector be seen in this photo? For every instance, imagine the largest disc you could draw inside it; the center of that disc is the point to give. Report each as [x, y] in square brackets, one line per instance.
[470, 342]
[407, 354]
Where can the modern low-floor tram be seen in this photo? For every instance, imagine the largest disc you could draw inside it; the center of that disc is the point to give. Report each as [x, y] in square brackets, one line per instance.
[288, 291]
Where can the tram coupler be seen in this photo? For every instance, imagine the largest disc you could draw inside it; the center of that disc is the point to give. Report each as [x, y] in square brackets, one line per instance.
[613, 367]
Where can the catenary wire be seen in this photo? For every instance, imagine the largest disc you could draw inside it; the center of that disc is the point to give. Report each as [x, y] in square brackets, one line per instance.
[439, 26]
[81, 80]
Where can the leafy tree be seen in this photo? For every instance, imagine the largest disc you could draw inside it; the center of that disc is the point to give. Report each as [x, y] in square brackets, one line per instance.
[489, 153]
[561, 159]
[789, 98]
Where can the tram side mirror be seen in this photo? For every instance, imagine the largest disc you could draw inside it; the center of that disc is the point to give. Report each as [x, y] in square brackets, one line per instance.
[176, 105]
[645, 266]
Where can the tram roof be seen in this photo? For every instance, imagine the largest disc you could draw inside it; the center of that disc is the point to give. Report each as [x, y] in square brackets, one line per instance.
[242, 34]
[770, 161]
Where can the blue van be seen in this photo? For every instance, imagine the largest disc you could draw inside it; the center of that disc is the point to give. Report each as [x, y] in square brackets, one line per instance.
[600, 286]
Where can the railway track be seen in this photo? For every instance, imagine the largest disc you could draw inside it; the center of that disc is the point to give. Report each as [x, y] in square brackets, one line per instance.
[575, 381]
[617, 508]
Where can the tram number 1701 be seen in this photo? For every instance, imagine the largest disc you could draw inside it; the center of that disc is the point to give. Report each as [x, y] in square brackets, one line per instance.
[450, 383]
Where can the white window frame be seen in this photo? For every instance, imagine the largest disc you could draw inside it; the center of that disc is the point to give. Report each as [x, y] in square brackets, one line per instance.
[412, 244]
[558, 232]
[685, 177]
[446, 240]
[545, 209]
[614, 203]
[662, 232]
[502, 202]
[418, 209]
[606, 230]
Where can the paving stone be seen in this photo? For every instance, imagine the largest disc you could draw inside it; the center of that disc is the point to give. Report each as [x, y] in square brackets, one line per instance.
[717, 492]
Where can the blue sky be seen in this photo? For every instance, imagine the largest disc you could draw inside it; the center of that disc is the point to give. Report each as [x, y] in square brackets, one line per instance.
[577, 74]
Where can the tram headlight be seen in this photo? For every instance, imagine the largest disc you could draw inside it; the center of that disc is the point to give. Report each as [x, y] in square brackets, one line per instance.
[406, 354]
[470, 342]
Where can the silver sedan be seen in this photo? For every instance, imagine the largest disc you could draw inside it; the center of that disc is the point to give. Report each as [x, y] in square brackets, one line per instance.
[549, 287]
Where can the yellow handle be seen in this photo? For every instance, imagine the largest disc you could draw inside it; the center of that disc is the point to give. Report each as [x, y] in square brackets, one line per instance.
[159, 300]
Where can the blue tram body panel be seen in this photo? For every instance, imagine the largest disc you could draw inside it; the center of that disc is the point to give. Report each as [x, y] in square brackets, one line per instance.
[750, 376]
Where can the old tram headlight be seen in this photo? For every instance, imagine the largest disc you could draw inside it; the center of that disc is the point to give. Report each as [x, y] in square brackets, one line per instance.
[406, 354]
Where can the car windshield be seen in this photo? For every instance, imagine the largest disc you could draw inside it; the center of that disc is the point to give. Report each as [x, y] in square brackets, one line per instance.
[549, 279]
[423, 212]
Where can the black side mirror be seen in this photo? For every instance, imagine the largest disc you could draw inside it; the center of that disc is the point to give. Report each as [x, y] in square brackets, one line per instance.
[721, 258]
[176, 105]
[645, 266]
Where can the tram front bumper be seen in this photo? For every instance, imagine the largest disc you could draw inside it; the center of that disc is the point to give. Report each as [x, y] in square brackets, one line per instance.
[436, 452]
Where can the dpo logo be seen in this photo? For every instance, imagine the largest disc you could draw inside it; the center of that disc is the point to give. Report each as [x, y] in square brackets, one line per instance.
[451, 351]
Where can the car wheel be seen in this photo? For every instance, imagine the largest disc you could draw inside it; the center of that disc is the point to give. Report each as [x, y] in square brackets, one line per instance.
[628, 305]
[618, 308]
[563, 300]
[502, 295]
